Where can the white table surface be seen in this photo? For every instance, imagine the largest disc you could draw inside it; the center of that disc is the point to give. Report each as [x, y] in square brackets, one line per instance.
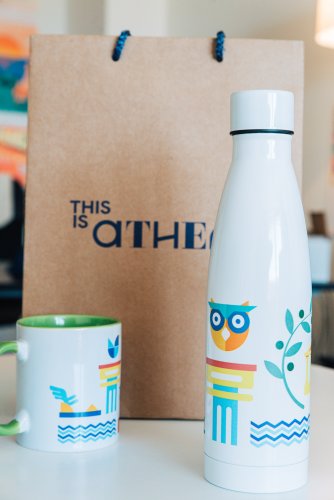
[153, 460]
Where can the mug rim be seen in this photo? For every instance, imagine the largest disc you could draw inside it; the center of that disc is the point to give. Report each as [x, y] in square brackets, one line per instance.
[66, 321]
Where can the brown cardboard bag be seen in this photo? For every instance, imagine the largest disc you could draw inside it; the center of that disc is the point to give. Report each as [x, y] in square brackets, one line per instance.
[127, 161]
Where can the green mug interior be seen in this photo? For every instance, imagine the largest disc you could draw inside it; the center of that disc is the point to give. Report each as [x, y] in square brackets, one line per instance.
[66, 321]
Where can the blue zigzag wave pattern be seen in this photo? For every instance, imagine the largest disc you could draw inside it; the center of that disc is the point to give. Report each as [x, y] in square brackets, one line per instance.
[85, 439]
[86, 427]
[281, 436]
[282, 432]
[282, 422]
[87, 433]
[274, 445]
[79, 433]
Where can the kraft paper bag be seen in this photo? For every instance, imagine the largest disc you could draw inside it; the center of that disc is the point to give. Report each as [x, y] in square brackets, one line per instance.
[126, 164]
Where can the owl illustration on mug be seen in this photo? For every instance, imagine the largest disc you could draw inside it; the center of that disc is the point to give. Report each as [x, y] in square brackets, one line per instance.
[229, 324]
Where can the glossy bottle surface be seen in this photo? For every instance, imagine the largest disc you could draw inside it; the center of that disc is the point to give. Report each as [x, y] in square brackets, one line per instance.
[259, 324]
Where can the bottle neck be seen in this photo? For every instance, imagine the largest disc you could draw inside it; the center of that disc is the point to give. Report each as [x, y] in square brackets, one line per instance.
[271, 147]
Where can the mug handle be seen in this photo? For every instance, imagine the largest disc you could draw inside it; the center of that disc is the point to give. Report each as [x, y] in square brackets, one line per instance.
[13, 427]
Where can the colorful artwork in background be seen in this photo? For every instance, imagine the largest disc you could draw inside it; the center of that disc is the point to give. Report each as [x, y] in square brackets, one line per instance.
[13, 140]
[13, 68]
[14, 52]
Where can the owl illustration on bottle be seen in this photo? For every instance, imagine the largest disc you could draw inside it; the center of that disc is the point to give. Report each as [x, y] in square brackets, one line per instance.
[229, 324]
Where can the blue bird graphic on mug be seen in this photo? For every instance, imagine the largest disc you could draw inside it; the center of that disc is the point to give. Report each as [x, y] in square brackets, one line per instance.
[60, 393]
[113, 348]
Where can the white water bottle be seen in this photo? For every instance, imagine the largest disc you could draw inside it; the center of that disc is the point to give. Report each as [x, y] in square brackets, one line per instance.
[259, 309]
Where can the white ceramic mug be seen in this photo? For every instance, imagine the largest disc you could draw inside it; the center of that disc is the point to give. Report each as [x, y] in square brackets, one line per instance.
[68, 382]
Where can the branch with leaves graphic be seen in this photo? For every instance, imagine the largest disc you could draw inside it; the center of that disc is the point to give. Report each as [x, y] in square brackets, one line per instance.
[289, 350]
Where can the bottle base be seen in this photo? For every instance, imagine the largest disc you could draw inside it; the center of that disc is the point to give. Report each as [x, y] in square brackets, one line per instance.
[251, 479]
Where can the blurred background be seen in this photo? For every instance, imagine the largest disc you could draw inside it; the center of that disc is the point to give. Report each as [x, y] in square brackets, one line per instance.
[309, 20]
